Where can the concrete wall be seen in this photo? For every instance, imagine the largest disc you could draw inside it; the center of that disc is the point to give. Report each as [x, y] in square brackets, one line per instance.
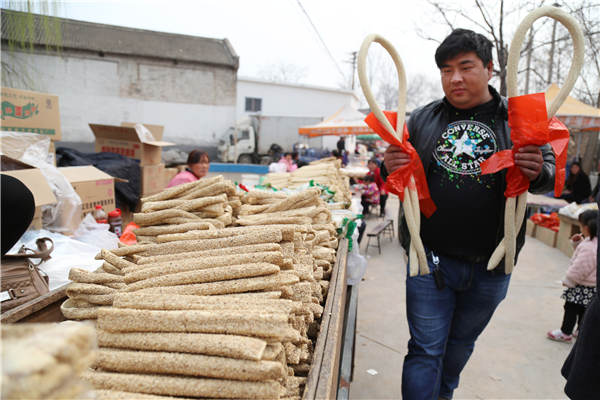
[194, 102]
[288, 100]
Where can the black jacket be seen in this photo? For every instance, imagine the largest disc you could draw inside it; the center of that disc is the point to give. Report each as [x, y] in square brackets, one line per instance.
[582, 367]
[580, 188]
[428, 122]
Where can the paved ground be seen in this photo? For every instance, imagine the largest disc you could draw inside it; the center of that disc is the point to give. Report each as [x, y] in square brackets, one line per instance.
[512, 358]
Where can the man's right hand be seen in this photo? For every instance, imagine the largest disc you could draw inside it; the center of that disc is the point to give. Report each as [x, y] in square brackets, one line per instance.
[394, 158]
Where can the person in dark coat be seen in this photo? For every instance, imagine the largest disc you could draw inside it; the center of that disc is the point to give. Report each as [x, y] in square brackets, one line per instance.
[582, 367]
[18, 208]
[577, 187]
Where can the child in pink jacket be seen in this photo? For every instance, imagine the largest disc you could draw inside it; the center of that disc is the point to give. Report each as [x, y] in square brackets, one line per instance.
[581, 277]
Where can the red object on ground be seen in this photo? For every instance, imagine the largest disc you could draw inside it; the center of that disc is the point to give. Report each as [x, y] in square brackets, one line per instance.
[400, 179]
[528, 120]
[550, 221]
[128, 237]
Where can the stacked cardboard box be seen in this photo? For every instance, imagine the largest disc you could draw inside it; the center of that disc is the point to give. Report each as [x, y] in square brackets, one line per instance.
[38, 185]
[93, 187]
[131, 141]
[33, 112]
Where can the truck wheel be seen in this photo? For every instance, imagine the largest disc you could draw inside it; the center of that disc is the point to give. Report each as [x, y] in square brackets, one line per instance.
[245, 159]
[265, 160]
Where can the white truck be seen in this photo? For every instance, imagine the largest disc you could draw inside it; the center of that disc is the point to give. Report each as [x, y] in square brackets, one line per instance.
[261, 139]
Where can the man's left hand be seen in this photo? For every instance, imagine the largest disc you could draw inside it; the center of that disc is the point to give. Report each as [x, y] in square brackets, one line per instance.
[529, 159]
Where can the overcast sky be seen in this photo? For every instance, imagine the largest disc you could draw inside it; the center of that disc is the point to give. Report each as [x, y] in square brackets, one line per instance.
[274, 32]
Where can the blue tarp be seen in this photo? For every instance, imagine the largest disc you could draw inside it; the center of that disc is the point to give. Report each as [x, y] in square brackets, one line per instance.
[239, 168]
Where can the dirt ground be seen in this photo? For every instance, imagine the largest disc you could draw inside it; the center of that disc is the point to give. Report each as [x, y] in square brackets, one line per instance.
[512, 358]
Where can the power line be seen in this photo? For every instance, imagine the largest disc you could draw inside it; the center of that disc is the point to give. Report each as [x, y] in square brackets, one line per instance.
[321, 39]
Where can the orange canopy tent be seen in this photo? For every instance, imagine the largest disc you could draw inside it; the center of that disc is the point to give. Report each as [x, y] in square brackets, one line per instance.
[583, 122]
[573, 113]
[345, 121]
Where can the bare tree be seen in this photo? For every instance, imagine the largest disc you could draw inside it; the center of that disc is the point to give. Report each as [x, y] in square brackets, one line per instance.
[421, 90]
[588, 14]
[283, 73]
[383, 78]
[23, 23]
[548, 44]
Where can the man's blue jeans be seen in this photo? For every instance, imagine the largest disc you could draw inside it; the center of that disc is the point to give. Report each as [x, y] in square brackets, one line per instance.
[444, 324]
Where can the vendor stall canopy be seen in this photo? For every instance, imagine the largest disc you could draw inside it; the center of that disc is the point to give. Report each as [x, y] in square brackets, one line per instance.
[345, 121]
[575, 114]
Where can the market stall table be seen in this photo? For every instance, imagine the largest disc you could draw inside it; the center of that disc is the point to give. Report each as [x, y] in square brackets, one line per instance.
[45, 308]
[568, 227]
[536, 201]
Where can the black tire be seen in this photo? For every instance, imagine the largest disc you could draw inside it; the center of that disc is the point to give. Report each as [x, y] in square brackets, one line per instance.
[245, 159]
[265, 160]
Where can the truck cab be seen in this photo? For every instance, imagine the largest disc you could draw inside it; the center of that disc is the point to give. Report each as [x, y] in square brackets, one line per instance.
[238, 143]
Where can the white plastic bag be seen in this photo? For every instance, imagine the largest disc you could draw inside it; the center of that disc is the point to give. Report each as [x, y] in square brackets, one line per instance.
[277, 167]
[356, 264]
[65, 215]
[96, 234]
[68, 253]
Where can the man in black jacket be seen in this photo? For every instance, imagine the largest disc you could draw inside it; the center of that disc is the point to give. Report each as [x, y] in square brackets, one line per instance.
[449, 308]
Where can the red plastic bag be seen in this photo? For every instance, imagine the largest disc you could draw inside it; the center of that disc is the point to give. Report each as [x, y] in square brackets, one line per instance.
[550, 221]
[528, 120]
[400, 179]
[128, 237]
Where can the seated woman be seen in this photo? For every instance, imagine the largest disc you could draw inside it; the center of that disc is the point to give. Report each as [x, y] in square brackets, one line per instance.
[198, 164]
[577, 187]
[369, 193]
[288, 162]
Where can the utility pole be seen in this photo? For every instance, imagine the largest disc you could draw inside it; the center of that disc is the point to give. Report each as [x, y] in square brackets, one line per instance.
[353, 60]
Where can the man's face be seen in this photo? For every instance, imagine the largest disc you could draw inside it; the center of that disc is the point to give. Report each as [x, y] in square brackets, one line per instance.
[372, 166]
[465, 80]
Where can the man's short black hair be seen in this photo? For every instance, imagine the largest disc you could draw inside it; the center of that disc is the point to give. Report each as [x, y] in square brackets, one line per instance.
[464, 41]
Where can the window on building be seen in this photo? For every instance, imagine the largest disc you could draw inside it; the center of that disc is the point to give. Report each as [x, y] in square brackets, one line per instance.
[253, 104]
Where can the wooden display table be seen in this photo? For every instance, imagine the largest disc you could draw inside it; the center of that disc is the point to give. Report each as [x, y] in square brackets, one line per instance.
[536, 201]
[334, 336]
[568, 227]
[45, 308]
[323, 376]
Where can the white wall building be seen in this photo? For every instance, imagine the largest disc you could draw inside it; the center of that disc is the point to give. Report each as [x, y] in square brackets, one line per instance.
[109, 74]
[256, 96]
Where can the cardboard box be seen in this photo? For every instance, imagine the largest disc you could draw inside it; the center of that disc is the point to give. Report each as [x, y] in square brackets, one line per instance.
[52, 154]
[545, 235]
[93, 186]
[153, 179]
[170, 174]
[130, 142]
[25, 111]
[156, 130]
[16, 145]
[38, 185]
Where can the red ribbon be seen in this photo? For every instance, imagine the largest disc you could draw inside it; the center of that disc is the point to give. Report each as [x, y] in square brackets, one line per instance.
[529, 124]
[398, 180]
